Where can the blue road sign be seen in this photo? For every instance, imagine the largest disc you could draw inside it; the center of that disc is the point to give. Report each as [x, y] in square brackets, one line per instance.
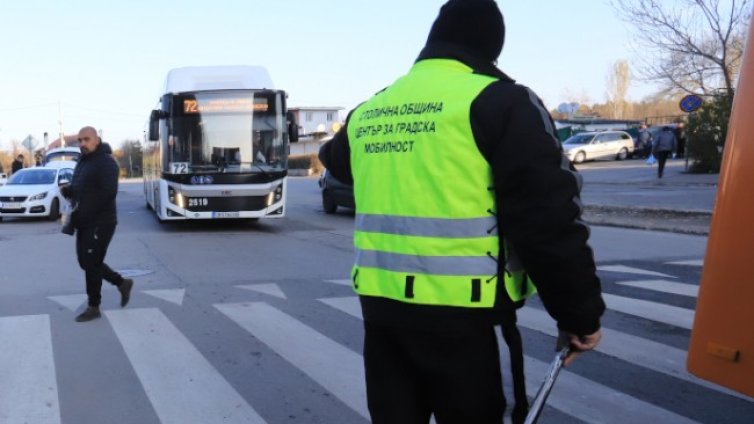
[690, 103]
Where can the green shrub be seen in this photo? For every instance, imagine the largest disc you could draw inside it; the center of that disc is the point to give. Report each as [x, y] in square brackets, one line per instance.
[308, 161]
[706, 134]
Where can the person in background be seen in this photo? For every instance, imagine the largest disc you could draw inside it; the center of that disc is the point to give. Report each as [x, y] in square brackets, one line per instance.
[664, 145]
[451, 207]
[17, 165]
[680, 135]
[93, 191]
[643, 142]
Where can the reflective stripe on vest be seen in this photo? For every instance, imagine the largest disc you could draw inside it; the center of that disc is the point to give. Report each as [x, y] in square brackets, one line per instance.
[425, 229]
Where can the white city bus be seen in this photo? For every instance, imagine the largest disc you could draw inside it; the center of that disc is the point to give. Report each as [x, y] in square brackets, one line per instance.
[217, 145]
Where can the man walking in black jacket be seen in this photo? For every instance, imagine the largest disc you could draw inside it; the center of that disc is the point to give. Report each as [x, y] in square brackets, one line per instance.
[93, 191]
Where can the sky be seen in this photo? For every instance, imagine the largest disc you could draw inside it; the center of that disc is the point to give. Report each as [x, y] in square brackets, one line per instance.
[103, 63]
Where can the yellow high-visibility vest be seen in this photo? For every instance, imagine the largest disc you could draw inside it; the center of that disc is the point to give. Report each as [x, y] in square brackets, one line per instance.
[426, 229]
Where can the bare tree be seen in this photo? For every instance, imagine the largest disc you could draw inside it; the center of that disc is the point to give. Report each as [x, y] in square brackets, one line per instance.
[693, 46]
[618, 80]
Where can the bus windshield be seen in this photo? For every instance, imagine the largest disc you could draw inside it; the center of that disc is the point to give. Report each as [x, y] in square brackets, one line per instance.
[226, 131]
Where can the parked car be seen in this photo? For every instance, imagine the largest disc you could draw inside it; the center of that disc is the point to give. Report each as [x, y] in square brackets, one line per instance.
[3, 178]
[335, 193]
[34, 192]
[598, 145]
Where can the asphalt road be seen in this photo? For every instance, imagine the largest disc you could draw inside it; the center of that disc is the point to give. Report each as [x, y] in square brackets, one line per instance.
[256, 322]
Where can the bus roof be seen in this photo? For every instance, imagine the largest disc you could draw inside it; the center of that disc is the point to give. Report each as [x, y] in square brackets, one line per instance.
[201, 78]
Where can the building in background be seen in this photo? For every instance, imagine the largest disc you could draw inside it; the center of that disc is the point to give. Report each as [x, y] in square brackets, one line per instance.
[317, 121]
[70, 141]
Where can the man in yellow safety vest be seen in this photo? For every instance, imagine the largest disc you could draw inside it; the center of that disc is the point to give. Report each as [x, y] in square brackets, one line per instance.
[463, 200]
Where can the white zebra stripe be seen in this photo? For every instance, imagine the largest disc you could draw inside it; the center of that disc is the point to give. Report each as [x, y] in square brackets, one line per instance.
[28, 386]
[334, 367]
[596, 403]
[627, 347]
[660, 312]
[181, 384]
[632, 270]
[574, 395]
[690, 290]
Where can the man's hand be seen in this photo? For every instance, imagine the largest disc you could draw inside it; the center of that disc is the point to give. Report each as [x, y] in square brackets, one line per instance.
[578, 344]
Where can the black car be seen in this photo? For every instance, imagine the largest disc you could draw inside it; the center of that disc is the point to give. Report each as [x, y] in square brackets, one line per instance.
[335, 193]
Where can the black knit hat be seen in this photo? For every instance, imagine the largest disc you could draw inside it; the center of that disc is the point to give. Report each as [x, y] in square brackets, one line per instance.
[476, 26]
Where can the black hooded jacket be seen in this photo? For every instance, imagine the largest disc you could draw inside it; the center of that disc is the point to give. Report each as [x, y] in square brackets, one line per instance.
[94, 187]
[539, 210]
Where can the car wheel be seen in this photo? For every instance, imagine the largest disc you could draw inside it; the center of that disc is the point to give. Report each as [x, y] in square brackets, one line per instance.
[328, 203]
[580, 157]
[622, 154]
[54, 210]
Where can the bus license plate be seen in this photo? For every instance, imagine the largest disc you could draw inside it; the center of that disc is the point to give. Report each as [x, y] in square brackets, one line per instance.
[226, 214]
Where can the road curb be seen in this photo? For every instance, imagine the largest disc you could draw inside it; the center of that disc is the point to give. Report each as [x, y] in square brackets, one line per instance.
[653, 219]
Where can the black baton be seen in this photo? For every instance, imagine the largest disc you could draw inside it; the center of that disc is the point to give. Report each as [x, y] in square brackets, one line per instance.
[539, 401]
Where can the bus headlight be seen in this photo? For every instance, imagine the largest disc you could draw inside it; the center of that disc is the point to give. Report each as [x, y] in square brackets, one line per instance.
[279, 193]
[175, 197]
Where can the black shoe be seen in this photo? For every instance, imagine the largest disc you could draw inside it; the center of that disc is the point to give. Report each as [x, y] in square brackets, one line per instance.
[125, 291]
[91, 312]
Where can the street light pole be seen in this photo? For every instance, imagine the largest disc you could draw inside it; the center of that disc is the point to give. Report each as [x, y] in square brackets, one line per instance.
[60, 124]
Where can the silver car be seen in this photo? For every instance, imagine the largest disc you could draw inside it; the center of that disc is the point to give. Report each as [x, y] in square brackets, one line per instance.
[584, 146]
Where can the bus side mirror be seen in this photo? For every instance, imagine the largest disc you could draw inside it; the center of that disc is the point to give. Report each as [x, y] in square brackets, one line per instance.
[154, 125]
[292, 127]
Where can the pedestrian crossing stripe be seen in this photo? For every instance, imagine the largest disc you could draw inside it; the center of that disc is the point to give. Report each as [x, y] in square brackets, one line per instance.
[632, 270]
[683, 289]
[596, 403]
[181, 384]
[659, 312]
[268, 289]
[627, 347]
[341, 282]
[577, 396]
[72, 302]
[171, 295]
[334, 367]
[28, 388]
[151, 343]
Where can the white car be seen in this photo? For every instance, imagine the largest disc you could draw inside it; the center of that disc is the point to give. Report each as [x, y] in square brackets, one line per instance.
[34, 192]
[583, 146]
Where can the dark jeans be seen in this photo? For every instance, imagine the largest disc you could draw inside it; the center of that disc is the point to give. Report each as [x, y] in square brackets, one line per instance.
[412, 374]
[91, 248]
[661, 157]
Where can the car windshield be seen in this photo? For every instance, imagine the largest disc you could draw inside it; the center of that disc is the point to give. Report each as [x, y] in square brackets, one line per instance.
[33, 176]
[579, 139]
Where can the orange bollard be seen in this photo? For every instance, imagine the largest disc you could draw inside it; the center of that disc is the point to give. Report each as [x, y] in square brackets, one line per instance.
[722, 339]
